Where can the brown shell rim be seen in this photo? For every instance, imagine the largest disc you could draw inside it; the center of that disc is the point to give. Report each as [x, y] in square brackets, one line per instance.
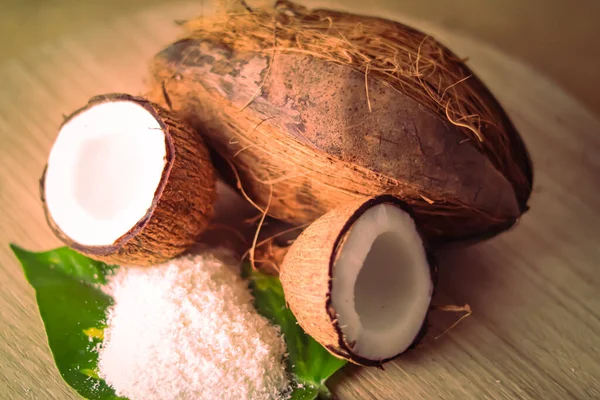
[169, 160]
[343, 350]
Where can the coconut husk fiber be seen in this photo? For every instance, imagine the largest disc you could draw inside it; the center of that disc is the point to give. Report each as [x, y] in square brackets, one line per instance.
[317, 108]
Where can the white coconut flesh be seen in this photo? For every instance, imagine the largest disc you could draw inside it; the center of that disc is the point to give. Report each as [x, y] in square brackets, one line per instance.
[381, 283]
[103, 171]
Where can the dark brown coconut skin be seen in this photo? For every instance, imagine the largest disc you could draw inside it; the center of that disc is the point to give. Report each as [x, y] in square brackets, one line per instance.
[306, 277]
[304, 123]
[183, 201]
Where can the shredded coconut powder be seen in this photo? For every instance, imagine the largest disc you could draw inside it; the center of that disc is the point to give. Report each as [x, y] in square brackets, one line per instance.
[187, 329]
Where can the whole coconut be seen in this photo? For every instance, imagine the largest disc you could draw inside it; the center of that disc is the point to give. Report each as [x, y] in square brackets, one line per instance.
[318, 108]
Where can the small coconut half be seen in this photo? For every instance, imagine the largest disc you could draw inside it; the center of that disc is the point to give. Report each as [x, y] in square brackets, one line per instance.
[360, 281]
[127, 182]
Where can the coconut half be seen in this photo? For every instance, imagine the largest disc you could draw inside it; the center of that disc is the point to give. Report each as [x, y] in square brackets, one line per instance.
[360, 281]
[126, 182]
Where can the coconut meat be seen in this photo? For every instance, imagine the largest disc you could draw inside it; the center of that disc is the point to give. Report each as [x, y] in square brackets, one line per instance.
[381, 283]
[103, 171]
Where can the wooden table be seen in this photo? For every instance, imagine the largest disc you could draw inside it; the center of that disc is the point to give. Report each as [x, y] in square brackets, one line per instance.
[534, 291]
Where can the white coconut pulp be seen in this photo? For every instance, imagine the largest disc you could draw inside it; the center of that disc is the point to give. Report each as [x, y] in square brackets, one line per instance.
[103, 171]
[381, 283]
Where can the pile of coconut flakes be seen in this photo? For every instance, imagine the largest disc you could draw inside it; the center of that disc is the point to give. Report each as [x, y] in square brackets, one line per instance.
[187, 329]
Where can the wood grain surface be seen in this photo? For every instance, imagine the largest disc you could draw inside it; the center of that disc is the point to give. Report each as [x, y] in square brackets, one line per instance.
[534, 291]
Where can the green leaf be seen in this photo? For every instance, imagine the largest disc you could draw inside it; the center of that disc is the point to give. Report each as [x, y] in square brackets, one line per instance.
[304, 393]
[73, 310]
[310, 362]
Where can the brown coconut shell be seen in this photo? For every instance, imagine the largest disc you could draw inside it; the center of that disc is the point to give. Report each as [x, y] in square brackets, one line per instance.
[307, 270]
[315, 109]
[183, 201]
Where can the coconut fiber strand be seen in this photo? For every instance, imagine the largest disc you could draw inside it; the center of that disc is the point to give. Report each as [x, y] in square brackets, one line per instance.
[317, 108]
[188, 330]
